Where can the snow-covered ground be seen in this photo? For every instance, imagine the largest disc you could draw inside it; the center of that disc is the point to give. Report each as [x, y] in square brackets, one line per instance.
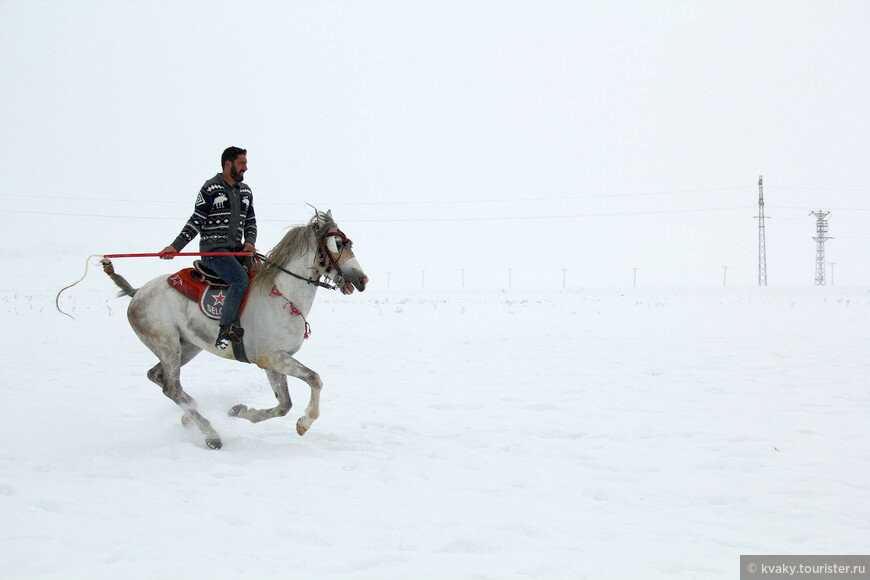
[584, 434]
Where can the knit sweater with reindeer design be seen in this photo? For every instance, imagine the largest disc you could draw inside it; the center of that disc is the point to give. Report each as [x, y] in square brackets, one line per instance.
[223, 217]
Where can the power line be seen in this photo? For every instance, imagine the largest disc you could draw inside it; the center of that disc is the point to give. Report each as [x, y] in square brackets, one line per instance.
[126, 217]
[104, 199]
[576, 197]
[847, 189]
[806, 207]
[391, 220]
[552, 217]
[406, 202]
[525, 199]
[52, 213]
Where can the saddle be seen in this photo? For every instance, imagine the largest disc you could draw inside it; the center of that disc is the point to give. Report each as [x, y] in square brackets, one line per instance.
[203, 286]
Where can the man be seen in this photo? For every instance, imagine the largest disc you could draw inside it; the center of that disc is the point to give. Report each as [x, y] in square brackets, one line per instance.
[224, 219]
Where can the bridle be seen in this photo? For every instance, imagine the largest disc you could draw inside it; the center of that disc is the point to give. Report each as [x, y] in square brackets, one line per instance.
[329, 259]
[326, 261]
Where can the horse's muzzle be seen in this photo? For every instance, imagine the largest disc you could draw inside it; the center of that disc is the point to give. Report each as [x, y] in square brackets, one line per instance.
[358, 282]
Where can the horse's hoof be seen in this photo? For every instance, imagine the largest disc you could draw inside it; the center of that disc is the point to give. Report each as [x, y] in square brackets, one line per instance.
[214, 443]
[237, 410]
[300, 428]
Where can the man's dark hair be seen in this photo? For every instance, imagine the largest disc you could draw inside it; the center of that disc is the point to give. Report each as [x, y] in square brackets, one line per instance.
[231, 153]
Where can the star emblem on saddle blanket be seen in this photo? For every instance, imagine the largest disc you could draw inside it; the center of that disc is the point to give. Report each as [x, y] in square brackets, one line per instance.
[219, 298]
[176, 280]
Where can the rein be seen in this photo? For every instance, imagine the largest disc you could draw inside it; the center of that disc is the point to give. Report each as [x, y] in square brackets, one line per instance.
[325, 263]
[316, 282]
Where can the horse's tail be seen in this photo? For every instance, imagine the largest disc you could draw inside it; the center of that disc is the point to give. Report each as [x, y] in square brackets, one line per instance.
[121, 282]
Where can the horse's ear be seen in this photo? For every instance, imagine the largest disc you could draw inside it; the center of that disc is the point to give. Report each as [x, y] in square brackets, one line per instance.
[322, 219]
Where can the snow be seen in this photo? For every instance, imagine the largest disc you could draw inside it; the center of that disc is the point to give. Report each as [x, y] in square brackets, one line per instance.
[594, 433]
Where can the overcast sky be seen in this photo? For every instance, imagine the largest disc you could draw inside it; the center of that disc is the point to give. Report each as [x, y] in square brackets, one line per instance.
[592, 136]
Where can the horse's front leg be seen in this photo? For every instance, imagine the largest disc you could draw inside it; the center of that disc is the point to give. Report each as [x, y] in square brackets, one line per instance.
[278, 382]
[285, 364]
[312, 411]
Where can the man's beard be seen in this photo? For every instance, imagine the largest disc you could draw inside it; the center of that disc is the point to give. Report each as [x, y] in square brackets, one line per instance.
[236, 174]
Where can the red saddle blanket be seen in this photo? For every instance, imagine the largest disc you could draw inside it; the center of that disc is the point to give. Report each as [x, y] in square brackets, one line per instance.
[209, 295]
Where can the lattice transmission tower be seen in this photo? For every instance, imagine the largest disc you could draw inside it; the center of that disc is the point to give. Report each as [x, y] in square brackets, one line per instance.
[762, 244]
[821, 237]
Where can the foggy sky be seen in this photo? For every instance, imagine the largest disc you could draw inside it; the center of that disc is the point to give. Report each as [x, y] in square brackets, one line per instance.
[597, 137]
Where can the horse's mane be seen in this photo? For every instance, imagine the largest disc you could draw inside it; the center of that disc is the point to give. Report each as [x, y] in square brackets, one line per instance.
[294, 244]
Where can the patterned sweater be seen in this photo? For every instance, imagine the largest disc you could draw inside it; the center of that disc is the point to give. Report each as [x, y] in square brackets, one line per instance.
[223, 217]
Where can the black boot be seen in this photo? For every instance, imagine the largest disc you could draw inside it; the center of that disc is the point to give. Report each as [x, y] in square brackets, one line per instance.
[227, 333]
[223, 338]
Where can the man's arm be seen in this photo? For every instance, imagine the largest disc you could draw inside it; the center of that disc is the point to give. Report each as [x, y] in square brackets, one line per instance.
[192, 228]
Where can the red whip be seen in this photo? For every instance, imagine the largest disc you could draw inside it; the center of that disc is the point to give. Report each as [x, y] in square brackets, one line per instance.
[173, 254]
[106, 262]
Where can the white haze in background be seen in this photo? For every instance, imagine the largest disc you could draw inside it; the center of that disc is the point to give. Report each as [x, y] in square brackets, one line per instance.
[600, 433]
[613, 135]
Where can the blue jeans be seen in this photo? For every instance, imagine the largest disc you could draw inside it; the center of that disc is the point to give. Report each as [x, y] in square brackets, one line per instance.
[234, 274]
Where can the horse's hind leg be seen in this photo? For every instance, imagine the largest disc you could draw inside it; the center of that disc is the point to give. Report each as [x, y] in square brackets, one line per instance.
[155, 373]
[278, 382]
[172, 389]
[167, 374]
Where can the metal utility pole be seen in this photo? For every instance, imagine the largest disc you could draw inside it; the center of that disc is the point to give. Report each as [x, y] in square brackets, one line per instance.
[762, 244]
[821, 237]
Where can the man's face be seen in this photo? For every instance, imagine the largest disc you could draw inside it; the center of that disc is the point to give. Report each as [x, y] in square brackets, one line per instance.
[238, 168]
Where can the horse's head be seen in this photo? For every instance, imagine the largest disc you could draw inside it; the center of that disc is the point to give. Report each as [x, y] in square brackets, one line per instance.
[335, 257]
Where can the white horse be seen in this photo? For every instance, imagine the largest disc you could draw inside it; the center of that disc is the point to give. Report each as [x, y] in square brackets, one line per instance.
[274, 319]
